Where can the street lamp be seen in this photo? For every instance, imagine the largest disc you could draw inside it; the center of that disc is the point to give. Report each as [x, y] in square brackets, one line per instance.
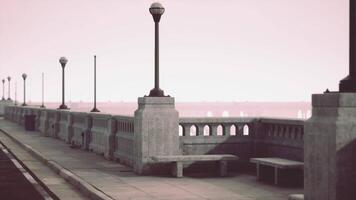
[24, 76]
[9, 79]
[95, 109]
[63, 61]
[156, 11]
[3, 89]
[42, 106]
[348, 84]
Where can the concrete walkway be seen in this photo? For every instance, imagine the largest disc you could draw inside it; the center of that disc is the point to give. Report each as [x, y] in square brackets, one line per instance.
[102, 179]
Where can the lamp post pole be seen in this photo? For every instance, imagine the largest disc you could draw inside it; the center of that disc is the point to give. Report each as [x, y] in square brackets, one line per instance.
[348, 84]
[95, 109]
[42, 106]
[9, 79]
[63, 61]
[15, 93]
[156, 11]
[3, 89]
[24, 76]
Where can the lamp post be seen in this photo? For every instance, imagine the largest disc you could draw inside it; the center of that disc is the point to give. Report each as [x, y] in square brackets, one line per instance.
[348, 84]
[15, 93]
[156, 11]
[63, 61]
[9, 79]
[42, 106]
[3, 89]
[24, 76]
[95, 109]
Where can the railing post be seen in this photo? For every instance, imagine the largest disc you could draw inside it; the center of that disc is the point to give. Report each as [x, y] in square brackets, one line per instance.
[156, 132]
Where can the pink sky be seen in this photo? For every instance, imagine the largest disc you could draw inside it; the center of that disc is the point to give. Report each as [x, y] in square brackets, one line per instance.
[211, 50]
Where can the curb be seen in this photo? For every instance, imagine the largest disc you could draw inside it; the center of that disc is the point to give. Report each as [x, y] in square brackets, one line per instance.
[87, 189]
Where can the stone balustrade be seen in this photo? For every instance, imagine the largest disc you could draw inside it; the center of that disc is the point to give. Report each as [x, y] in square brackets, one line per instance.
[210, 135]
[80, 132]
[124, 139]
[280, 138]
[115, 136]
[65, 123]
[102, 134]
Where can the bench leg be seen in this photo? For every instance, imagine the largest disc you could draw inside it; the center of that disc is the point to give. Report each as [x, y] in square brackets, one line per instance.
[223, 167]
[177, 169]
[258, 171]
[276, 176]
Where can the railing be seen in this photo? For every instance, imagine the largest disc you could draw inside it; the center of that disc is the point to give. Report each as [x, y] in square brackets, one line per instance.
[114, 136]
[80, 130]
[124, 140]
[280, 138]
[217, 136]
[64, 125]
[102, 134]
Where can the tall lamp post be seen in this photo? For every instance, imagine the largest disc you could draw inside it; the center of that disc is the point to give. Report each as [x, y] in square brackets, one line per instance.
[42, 106]
[63, 61]
[24, 76]
[9, 79]
[3, 89]
[15, 93]
[156, 11]
[95, 109]
[348, 84]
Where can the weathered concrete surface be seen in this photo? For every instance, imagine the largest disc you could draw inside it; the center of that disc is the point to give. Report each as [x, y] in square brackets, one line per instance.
[56, 184]
[329, 148]
[119, 182]
[3, 104]
[156, 131]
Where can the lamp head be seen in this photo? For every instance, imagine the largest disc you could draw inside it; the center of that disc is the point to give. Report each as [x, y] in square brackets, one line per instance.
[24, 76]
[3, 80]
[156, 11]
[63, 61]
[9, 78]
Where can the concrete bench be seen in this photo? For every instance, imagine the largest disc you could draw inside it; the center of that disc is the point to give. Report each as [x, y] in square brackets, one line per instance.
[178, 160]
[276, 163]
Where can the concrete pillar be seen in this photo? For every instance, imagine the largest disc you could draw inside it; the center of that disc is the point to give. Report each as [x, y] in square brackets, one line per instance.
[156, 132]
[329, 148]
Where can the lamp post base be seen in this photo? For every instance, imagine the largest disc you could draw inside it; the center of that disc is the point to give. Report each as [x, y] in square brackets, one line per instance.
[156, 92]
[347, 85]
[95, 110]
[23, 104]
[63, 107]
[9, 99]
[42, 106]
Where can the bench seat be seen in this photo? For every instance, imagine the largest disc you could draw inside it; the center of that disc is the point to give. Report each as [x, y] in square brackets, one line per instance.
[276, 163]
[178, 160]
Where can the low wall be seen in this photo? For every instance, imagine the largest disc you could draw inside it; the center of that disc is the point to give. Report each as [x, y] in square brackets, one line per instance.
[114, 136]
[124, 139]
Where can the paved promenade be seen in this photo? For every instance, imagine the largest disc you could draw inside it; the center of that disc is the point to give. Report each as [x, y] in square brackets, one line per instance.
[102, 179]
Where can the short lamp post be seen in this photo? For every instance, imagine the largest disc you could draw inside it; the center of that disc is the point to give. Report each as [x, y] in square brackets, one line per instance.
[156, 11]
[3, 89]
[24, 76]
[63, 61]
[9, 79]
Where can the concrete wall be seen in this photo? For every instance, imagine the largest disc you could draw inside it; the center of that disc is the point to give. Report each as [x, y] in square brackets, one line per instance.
[264, 137]
[114, 136]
